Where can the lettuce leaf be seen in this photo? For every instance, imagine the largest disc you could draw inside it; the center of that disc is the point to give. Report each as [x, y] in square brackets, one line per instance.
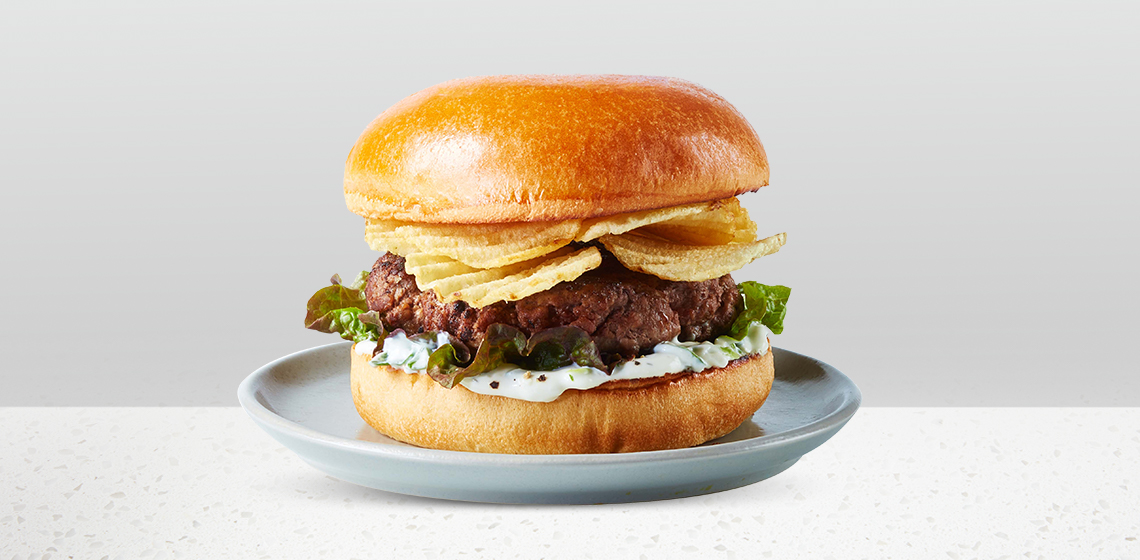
[343, 310]
[764, 304]
[544, 351]
[445, 365]
[561, 346]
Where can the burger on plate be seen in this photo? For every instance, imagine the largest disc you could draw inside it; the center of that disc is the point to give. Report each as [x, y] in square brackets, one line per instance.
[554, 267]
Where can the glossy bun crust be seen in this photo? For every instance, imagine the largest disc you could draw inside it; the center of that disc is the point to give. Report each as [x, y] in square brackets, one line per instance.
[674, 412]
[546, 148]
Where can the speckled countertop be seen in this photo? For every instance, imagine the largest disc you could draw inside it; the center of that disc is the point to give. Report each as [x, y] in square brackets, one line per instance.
[895, 483]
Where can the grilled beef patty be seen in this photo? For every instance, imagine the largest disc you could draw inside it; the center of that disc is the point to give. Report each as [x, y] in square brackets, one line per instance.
[625, 312]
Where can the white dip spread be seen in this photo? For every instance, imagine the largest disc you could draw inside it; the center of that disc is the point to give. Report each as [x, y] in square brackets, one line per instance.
[411, 356]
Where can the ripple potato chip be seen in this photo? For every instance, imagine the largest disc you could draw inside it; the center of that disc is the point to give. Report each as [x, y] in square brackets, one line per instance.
[476, 245]
[432, 268]
[533, 280]
[485, 263]
[621, 223]
[726, 221]
[464, 277]
[686, 263]
[495, 245]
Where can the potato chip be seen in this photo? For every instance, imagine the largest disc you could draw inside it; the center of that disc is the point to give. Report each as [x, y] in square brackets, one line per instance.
[533, 280]
[621, 223]
[485, 263]
[495, 245]
[725, 222]
[424, 259]
[476, 245]
[466, 277]
[430, 268]
[686, 263]
[380, 236]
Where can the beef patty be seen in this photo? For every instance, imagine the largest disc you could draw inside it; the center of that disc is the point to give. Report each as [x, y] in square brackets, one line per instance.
[625, 312]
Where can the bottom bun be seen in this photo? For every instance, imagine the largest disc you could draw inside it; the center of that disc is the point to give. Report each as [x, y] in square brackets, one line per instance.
[677, 412]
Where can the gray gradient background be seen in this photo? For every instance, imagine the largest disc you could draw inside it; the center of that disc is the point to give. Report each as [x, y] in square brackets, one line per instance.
[958, 179]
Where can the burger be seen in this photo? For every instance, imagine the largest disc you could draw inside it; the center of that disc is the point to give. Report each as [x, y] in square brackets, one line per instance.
[554, 268]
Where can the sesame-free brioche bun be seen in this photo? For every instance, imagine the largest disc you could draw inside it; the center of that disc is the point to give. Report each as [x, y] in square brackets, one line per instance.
[547, 148]
[670, 412]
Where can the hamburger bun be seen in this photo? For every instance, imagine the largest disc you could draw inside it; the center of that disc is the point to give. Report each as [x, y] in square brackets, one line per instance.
[669, 412]
[499, 149]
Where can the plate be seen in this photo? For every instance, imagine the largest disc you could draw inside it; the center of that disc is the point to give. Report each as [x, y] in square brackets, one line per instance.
[303, 400]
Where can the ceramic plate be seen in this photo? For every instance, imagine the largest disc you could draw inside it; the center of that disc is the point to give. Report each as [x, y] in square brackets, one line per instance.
[303, 400]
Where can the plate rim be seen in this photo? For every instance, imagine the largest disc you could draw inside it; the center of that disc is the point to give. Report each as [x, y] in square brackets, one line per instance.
[269, 419]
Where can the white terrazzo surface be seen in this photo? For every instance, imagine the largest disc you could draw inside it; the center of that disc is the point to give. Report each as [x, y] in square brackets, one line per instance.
[895, 483]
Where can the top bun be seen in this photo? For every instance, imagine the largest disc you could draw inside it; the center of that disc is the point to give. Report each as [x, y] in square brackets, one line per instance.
[547, 148]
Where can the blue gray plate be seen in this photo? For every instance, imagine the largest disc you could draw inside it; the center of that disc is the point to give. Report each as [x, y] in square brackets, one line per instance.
[303, 400]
